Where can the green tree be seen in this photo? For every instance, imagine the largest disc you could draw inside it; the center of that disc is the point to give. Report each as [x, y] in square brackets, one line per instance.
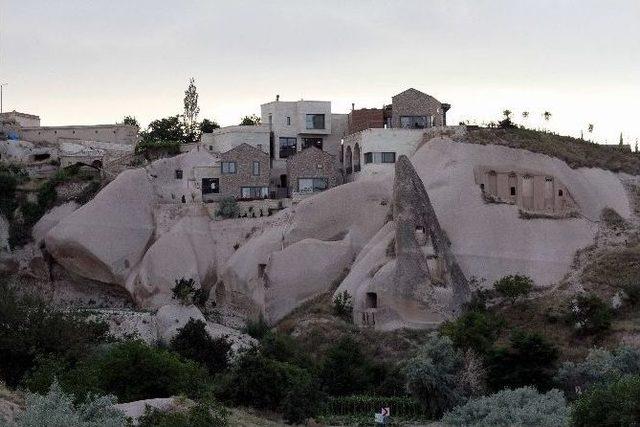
[513, 287]
[589, 315]
[194, 342]
[346, 369]
[528, 360]
[229, 208]
[616, 403]
[251, 120]
[191, 111]
[547, 116]
[343, 307]
[433, 375]
[203, 414]
[208, 126]
[507, 114]
[169, 129]
[476, 329]
[131, 121]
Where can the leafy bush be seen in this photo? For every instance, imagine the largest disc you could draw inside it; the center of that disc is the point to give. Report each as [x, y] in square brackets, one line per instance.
[258, 381]
[57, 409]
[283, 348]
[346, 369]
[610, 404]
[477, 329]
[184, 291]
[523, 406]
[256, 328]
[432, 375]
[228, 208]
[30, 328]
[203, 414]
[343, 307]
[194, 343]
[8, 184]
[589, 315]
[599, 366]
[513, 287]
[528, 360]
[402, 406]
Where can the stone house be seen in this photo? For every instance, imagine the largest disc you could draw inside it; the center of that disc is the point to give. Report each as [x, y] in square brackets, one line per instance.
[312, 170]
[244, 173]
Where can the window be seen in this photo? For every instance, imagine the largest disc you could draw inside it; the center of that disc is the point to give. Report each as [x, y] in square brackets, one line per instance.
[287, 147]
[372, 300]
[178, 173]
[315, 121]
[312, 142]
[383, 157]
[413, 122]
[211, 148]
[288, 121]
[254, 192]
[228, 167]
[259, 147]
[312, 185]
[560, 193]
[513, 191]
[210, 185]
[256, 168]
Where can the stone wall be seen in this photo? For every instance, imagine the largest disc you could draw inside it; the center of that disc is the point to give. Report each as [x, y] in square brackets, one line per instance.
[312, 163]
[244, 155]
[412, 102]
[118, 133]
[365, 118]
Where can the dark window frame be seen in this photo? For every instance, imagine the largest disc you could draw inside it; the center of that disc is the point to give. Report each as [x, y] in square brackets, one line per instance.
[312, 142]
[255, 167]
[312, 121]
[287, 145]
[179, 174]
[228, 163]
[315, 189]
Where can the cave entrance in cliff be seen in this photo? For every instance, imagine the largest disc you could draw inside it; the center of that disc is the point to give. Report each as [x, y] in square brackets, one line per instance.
[372, 300]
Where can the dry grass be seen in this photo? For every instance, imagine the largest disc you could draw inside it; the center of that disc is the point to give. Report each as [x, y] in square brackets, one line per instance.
[615, 268]
[575, 152]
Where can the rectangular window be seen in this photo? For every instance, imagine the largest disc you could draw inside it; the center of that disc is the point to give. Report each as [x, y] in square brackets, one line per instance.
[256, 168]
[312, 185]
[315, 121]
[178, 173]
[312, 142]
[210, 185]
[413, 122]
[254, 192]
[288, 121]
[377, 158]
[228, 167]
[287, 147]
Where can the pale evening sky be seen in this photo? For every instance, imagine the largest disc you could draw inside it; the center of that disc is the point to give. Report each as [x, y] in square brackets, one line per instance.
[89, 61]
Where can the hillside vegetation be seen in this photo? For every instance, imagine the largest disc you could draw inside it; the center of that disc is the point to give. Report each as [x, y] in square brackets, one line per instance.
[575, 152]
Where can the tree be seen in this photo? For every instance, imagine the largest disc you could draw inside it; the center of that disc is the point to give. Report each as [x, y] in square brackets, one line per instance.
[507, 114]
[476, 329]
[528, 360]
[616, 403]
[513, 287]
[251, 120]
[191, 111]
[589, 315]
[346, 369]
[590, 128]
[207, 126]
[432, 375]
[131, 121]
[169, 129]
[194, 342]
[525, 115]
[343, 307]
[521, 407]
[547, 116]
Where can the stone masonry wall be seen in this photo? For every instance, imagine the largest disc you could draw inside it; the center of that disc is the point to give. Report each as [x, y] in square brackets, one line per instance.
[412, 102]
[312, 163]
[244, 155]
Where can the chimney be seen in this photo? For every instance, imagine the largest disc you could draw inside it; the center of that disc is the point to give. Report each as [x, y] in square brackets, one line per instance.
[353, 106]
[277, 97]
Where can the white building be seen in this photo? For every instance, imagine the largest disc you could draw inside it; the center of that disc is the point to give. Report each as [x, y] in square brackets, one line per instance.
[229, 137]
[296, 125]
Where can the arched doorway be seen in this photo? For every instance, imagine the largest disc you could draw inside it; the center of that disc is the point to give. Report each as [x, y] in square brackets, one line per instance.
[348, 161]
[356, 158]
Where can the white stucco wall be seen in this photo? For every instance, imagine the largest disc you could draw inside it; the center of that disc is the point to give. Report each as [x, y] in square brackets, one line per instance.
[226, 138]
[118, 133]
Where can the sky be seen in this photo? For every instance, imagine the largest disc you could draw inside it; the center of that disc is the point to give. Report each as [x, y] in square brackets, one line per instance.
[90, 61]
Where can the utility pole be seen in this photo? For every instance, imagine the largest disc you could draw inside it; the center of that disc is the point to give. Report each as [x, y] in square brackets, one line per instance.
[1, 86]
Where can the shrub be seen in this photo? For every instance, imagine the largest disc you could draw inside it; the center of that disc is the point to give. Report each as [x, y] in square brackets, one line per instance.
[523, 406]
[203, 414]
[477, 329]
[613, 219]
[184, 291]
[30, 328]
[589, 315]
[57, 409]
[228, 208]
[8, 184]
[343, 307]
[432, 375]
[301, 399]
[528, 360]
[612, 404]
[599, 366]
[256, 328]
[194, 343]
[346, 369]
[283, 348]
[256, 380]
[513, 287]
